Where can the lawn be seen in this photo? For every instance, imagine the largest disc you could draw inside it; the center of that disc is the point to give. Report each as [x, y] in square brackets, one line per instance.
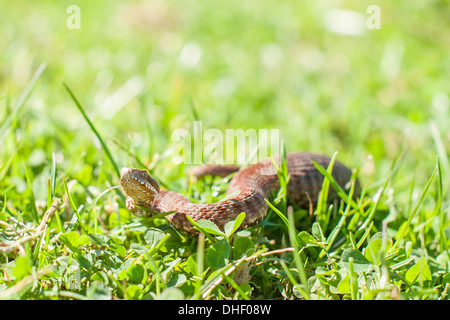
[91, 88]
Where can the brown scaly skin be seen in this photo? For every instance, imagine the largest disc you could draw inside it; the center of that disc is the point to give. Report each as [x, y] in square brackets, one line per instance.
[254, 183]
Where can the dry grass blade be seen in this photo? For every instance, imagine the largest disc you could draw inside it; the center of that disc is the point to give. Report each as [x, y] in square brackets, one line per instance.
[22, 284]
[39, 230]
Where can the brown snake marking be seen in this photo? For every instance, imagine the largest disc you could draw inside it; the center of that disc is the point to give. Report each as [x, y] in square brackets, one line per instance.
[254, 183]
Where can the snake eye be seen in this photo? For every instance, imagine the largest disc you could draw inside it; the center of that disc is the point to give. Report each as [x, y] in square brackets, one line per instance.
[140, 176]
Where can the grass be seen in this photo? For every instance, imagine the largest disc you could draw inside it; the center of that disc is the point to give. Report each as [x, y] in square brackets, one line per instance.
[76, 105]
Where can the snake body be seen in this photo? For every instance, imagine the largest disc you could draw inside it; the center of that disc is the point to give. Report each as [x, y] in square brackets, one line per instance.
[250, 187]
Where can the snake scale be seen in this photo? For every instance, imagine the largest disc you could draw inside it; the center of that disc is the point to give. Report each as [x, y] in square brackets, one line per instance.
[250, 187]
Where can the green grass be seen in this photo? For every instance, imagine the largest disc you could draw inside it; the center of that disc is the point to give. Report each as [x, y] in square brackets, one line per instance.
[76, 105]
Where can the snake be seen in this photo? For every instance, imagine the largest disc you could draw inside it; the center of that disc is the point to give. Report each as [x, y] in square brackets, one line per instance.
[247, 191]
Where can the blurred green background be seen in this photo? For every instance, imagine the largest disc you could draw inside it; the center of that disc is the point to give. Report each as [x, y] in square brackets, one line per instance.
[137, 67]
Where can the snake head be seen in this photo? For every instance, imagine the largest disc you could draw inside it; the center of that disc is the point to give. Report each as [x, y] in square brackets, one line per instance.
[141, 189]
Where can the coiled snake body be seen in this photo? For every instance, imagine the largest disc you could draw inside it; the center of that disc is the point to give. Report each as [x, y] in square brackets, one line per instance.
[251, 186]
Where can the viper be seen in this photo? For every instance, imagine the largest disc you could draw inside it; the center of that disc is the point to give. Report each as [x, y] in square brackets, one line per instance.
[247, 190]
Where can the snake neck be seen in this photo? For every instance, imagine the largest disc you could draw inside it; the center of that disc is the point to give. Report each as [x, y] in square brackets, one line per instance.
[250, 201]
[251, 188]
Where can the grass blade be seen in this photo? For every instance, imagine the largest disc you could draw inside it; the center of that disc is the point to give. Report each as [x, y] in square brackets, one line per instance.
[49, 203]
[7, 163]
[353, 280]
[236, 287]
[83, 214]
[22, 99]
[333, 234]
[341, 193]
[193, 109]
[283, 218]
[97, 134]
[297, 258]
[283, 178]
[200, 258]
[322, 212]
[77, 218]
[199, 228]
[323, 196]
[53, 175]
[34, 212]
[406, 225]
[440, 146]
[438, 211]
